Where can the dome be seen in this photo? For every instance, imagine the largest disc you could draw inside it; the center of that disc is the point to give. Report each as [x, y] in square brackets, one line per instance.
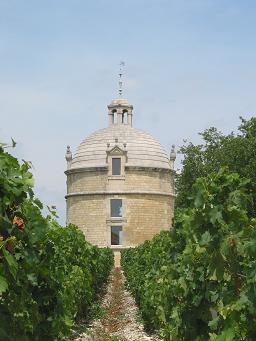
[142, 149]
[119, 101]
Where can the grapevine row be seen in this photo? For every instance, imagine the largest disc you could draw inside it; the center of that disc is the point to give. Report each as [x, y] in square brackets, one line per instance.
[198, 281]
[49, 274]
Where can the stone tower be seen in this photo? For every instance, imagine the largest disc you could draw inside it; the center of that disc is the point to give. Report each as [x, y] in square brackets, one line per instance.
[120, 188]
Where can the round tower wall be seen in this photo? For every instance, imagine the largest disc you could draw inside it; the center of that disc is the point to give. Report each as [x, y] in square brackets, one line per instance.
[147, 203]
[135, 179]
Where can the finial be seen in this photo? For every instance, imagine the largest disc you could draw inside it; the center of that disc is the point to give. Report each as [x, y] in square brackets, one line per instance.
[172, 156]
[120, 90]
[173, 153]
[68, 156]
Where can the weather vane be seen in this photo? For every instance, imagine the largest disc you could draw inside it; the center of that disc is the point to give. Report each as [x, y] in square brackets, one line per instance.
[121, 70]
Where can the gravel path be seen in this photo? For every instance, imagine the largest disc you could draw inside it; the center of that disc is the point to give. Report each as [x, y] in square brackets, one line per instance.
[120, 321]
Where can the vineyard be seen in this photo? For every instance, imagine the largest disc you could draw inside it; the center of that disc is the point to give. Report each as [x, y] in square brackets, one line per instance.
[194, 282]
[198, 280]
[49, 275]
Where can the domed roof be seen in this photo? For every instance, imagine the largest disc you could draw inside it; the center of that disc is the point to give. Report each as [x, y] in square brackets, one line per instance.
[142, 149]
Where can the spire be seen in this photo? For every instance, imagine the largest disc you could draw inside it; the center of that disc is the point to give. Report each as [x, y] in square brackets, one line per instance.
[120, 110]
[121, 71]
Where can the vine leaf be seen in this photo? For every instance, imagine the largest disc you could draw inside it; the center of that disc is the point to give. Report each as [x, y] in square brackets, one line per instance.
[13, 265]
[3, 284]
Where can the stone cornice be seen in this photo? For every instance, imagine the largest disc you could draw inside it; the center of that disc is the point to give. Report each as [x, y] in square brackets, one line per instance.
[169, 194]
[86, 169]
[127, 167]
[154, 169]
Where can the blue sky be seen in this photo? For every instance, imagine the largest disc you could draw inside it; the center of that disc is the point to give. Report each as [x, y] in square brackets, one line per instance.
[190, 64]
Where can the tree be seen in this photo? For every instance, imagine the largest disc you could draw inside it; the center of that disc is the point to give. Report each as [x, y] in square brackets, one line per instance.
[235, 151]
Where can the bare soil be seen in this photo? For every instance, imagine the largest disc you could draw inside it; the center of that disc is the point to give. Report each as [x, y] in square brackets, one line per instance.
[120, 321]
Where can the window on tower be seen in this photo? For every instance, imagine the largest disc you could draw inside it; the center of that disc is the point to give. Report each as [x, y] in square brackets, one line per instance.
[124, 117]
[116, 166]
[114, 116]
[116, 235]
[116, 207]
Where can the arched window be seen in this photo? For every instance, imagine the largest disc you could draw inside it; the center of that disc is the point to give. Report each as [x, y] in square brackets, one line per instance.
[114, 116]
[124, 117]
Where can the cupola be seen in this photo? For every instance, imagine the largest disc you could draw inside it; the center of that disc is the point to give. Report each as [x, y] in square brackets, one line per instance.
[120, 112]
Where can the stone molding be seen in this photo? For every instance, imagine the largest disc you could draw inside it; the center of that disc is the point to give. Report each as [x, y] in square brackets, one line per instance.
[105, 169]
[116, 177]
[170, 194]
[155, 169]
[116, 220]
[86, 169]
[116, 151]
[121, 247]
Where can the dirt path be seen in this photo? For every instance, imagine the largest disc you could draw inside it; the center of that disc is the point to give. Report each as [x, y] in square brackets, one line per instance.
[120, 320]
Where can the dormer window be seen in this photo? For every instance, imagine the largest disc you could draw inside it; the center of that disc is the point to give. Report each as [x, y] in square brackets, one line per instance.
[116, 159]
[116, 166]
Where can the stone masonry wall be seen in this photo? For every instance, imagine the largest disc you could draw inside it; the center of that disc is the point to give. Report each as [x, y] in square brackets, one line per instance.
[144, 216]
[147, 196]
[148, 179]
[87, 181]
[89, 213]
[134, 179]
[147, 216]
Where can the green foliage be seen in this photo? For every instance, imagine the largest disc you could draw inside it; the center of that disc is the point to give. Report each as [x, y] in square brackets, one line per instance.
[49, 275]
[198, 281]
[237, 151]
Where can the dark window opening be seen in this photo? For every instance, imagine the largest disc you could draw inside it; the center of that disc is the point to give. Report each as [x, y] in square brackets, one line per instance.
[114, 117]
[116, 235]
[116, 166]
[116, 207]
[124, 117]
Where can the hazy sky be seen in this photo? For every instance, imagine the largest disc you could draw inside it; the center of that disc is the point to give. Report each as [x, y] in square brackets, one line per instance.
[190, 64]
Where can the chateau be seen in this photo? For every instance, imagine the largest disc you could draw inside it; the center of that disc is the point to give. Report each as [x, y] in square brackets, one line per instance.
[120, 183]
